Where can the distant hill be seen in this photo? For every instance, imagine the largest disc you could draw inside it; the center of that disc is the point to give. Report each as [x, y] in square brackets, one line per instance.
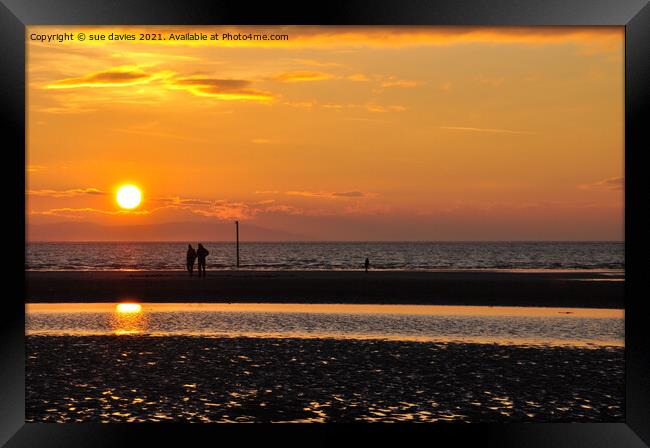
[172, 231]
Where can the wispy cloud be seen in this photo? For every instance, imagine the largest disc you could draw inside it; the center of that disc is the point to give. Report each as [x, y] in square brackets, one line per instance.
[80, 213]
[302, 76]
[134, 76]
[34, 168]
[358, 77]
[67, 108]
[393, 81]
[610, 184]
[316, 63]
[330, 195]
[488, 130]
[66, 193]
[177, 200]
[220, 209]
[351, 194]
[222, 89]
[383, 109]
[113, 77]
[369, 107]
[588, 40]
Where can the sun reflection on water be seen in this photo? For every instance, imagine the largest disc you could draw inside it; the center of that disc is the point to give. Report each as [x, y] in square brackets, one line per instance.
[128, 319]
[128, 308]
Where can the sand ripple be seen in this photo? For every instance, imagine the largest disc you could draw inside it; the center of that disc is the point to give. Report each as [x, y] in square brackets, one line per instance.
[192, 379]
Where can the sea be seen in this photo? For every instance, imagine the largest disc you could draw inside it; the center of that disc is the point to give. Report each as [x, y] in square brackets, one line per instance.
[188, 362]
[288, 256]
[278, 362]
[528, 326]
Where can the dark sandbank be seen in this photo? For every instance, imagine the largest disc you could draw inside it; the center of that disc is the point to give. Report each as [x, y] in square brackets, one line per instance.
[495, 288]
[188, 379]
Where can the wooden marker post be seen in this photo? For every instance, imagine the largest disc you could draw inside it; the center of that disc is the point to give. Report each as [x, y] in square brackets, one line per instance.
[237, 233]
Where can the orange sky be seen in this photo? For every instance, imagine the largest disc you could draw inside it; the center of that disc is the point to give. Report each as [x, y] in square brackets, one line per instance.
[339, 133]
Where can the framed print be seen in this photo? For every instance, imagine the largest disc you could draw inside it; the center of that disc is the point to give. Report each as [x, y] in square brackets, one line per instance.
[361, 212]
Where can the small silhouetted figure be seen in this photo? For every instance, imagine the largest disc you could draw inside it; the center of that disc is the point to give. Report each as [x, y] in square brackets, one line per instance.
[191, 256]
[201, 253]
[367, 264]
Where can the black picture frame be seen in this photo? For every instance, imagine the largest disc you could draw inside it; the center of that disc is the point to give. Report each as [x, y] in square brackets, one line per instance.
[634, 15]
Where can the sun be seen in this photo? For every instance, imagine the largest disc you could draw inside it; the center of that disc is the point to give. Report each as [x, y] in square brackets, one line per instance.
[129, 196]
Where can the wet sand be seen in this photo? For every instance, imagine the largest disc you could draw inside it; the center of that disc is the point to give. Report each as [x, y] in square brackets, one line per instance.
[192, 379]
[493, 288]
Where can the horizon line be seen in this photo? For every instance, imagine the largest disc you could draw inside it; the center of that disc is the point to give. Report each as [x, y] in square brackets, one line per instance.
[323, 241]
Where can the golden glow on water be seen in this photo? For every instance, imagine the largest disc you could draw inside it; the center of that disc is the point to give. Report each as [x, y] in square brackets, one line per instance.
[519, 341]
[433, 310]
[129, 308]
[130, 318]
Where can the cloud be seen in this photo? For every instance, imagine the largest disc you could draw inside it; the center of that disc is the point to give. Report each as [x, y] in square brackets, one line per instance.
[114, 77]
[65, 193]
[222, 89]
[220, 209]
[610, 184]
[216, 208]
[587, 40]
[316, 63]
[285, 209]
[171, 201]
[68, 108]
[359, 77]
[301, 104]
[383, 109]
[337, 106]
[226, 210]
[350, 194]
[370, 107]
[393, 81]
[34, 168]
[302, 76]
[139, 55]
[125, 76]
[488, 130]
[79, 213]
[592, 39]
[330, 195]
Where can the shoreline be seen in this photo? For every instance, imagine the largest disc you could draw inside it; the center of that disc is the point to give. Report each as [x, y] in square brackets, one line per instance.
[600, 271]
[584, 289]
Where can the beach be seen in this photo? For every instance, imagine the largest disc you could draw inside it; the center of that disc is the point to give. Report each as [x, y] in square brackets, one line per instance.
[587, 289]
[325, 346]
[191, 379]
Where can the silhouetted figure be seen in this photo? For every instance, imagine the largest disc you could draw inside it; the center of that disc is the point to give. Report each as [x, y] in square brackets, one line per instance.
[201, 253]
[191, 256]
[367, 264]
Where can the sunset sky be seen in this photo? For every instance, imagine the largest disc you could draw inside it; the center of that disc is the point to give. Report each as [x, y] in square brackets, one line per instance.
[339, 133]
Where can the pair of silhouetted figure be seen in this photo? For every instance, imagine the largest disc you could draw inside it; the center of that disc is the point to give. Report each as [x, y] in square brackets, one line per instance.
[192, 255]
